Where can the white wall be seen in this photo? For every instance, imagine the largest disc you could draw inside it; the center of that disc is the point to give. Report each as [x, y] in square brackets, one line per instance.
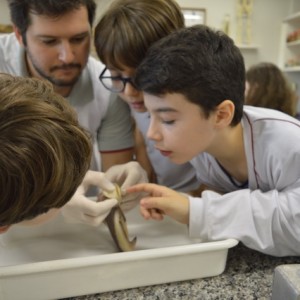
[267, 18]
[4, 13]
[266, 24]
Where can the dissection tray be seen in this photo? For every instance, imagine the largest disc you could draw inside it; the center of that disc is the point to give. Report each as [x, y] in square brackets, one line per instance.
[58, 260]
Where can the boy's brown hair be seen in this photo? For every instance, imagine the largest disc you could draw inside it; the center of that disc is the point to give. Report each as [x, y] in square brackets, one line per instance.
[129, 27]
[44, 153]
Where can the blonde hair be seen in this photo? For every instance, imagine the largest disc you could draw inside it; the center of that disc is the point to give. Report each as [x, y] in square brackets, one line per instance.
[44, 153]
[129, 27]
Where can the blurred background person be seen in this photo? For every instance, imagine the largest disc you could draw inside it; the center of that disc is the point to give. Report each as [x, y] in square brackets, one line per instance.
[267, 86]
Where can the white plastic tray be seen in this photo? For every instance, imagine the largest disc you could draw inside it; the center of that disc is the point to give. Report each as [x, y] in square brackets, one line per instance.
[59, 260]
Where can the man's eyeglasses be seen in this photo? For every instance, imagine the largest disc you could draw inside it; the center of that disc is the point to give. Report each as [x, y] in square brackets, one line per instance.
[115, 84]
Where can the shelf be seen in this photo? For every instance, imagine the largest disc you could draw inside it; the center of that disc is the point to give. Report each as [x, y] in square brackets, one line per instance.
[289, 52]
[291, 69]
[292, 18]
[248, 47]
[293, 44]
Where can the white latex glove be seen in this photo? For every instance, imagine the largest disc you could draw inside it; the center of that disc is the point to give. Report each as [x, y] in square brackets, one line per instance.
[81, 209]
[126, 175]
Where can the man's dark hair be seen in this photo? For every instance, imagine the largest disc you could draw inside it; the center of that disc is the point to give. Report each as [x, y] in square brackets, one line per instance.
[20, 10]
[198, 62]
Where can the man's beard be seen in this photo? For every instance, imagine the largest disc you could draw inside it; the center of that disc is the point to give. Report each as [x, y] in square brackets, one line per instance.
[53, 80]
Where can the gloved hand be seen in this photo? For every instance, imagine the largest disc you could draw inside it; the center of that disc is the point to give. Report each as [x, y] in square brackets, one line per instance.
[126, 175]
[81, 209]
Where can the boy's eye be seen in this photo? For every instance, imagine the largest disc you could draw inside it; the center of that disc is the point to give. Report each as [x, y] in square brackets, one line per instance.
[49, 42]
[169, 122]
[78, 40]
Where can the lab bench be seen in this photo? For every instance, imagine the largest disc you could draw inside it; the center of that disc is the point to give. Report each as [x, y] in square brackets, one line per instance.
[248, 275]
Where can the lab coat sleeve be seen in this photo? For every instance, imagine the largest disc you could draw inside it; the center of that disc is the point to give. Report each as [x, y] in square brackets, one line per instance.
[265, 221]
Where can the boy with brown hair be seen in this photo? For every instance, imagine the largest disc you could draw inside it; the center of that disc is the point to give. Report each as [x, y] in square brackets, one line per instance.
[122, 37]
[249, 157]
[44, 153]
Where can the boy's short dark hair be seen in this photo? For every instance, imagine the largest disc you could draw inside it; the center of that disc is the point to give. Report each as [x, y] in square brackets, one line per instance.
[129, 27]
[44, 153]
[20, 10]
[198, 62]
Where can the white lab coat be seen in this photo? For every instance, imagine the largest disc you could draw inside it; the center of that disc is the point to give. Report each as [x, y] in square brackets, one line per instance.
[266, 215]
[103, 114]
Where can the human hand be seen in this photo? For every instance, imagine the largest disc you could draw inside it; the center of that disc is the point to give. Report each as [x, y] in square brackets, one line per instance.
[162, 201]
[126, 175]
[81, 209]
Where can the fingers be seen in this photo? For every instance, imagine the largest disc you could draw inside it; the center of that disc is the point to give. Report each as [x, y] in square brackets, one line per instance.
[157, 203]
[154, 208]
[106, 184]
[86, 211]
[150, 188]
[98, 211]
[95, 209]
[130, 180]
[105, 206]
[127, 174]
[98, 179]
[134, 177]
[176, 207]
[157, 214]
[154, 214]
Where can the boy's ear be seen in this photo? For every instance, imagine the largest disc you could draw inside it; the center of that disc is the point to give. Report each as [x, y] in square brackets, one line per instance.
[18, 35]
[224, 114]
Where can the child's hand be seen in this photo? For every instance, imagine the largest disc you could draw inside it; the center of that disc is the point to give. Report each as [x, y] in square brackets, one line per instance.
[126, 175]
[162, 201]
[81, 209]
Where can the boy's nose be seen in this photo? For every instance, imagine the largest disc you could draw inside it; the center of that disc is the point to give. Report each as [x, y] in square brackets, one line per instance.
[153, 133]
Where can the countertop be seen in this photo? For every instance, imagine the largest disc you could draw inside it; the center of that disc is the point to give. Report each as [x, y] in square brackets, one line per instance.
[248, 275]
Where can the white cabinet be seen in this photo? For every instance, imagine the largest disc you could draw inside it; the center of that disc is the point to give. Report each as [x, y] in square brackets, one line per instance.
[289, 54]
[290, 44]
